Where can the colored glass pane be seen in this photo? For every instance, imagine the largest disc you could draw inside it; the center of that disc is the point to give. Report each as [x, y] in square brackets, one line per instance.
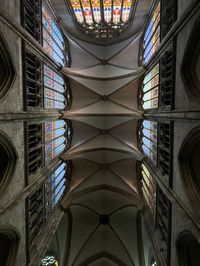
[87, 11]
[149, 189]
[53, 90]
[53, 41]
[151, 89]
[54, 139]
[152, 35]
[77, 10]
[49, 261]
[107, 10]
[96, 10]
[126, 10]
[149, 139]
[117, 4]
[103, 18]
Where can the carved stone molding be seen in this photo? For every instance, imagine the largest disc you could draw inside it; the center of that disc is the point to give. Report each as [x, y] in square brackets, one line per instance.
[187, 155]
[189, 64]
[7, 69]
[8, 162]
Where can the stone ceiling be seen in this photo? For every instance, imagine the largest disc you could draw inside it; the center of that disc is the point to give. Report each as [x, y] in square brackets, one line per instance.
[103, 197]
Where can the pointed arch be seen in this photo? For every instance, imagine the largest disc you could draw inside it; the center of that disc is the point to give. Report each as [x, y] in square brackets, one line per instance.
[9, 242]
[188, 249]
[190, 63]
[8, 162]
[7, 70]
[189, 165]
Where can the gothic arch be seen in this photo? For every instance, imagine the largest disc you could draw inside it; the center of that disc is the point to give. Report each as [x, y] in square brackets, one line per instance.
[7, 70]
[8, 162]
[190, 63]
[189, 165]
[103, 255]
[188, 249]
[9, 242]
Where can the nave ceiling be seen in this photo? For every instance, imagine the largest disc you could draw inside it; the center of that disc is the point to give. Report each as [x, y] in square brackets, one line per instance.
[103, 199]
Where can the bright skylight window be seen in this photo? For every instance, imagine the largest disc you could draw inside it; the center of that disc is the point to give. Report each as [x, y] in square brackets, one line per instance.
[103, 19]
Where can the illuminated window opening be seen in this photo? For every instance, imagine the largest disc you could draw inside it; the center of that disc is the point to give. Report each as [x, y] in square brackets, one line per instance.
[152, 35]
[53, 41]
[49, 261]
[150, 89]
[103, 19]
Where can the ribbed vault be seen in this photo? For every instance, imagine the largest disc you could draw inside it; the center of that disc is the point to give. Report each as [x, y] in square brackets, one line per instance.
[103, 199]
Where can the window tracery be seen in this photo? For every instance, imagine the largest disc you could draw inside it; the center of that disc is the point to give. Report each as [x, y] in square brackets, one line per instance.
[53, 41]
[157, 89]
[45, 87]
[152, 35]
[158, 208]
[42, 202]
[39, 21]
[46, 141]
[49, 261]
[158, 26]
[103, 19]
[155, 141]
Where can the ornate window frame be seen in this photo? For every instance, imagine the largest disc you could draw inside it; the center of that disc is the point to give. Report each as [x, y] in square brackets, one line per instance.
[36, 79]
[40, 26]
[163, 88]
[168, 16]
[100, 28]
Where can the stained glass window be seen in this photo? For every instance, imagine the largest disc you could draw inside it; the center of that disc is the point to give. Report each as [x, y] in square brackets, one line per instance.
[55, 187]
[55, 139]
[150, 89]
[149, 139]
[53, 41]
[54, 89]
[148, 188]
[49, 261]
[152, 35]
[103, 19]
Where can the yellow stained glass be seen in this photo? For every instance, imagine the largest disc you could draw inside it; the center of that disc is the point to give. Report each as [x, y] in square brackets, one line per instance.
[126, 10]
[77, 10]
[107, 10]
[103, 19]
[96, 10]
[117, 4]
[87, 11]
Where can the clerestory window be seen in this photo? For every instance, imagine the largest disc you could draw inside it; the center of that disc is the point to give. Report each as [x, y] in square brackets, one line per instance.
[45, 86]
[45, 142]
[40, 22]
[103, 19]
[42, 202]
[158, 26]
[155, 141]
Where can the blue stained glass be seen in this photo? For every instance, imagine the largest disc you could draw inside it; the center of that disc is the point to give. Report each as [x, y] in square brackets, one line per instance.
[59, 132]
[59, 169]
[59, 123]
[53, 41]
[59, 149]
